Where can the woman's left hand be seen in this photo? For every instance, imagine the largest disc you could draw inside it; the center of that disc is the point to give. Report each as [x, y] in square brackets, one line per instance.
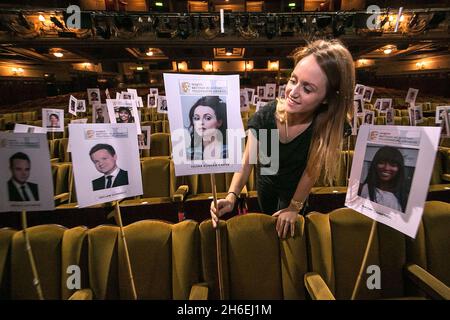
[286, 219]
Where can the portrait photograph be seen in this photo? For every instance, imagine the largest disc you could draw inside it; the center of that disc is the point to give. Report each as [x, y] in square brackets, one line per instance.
[377, 104]
[271, 91]
[144, 138]
[438, 116]
[250, 94]
[411, 96]
[255, 99]
[27, 182]
[73, 104]
[162, 104]
[368, 93]
[358, 104]
[385, 104]
[123, 111]
[126, 95]
[105, 161]
[243, 100]
[81, 106]
[100, 113]
[390, 116]
[369, 117]
[418, 114]
[359, 89]
[94, 95]
[384, 183]
[205, 123]
[152, 101]
[281, 91]
[261, 91]
[53, 120]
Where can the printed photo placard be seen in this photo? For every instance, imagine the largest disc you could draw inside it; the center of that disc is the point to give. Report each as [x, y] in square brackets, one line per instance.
[144, 138]
[411, 96]
[282, 91]
[123, 111]
[439, 113]
[73, 104]
[53, 120]
[23, 128]
[94, 95]
[162, 104]
[27, 182]
[152, 100]
[100, 113]
[390, 174]
[368, 93]
[205, 123]
[105, 161]
[244, 105]
[81, 106]
[261, 92]
[270, 91]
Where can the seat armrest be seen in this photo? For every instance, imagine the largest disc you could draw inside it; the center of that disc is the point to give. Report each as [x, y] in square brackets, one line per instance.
[429, 284]
[82, 294]
[317, 288]
[199, 291]
[180, 194]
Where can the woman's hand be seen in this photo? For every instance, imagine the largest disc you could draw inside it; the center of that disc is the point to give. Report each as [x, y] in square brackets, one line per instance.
[286, 219]
[224, 205]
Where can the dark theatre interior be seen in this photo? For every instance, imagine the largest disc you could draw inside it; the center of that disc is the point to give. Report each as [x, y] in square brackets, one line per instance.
[161, 245]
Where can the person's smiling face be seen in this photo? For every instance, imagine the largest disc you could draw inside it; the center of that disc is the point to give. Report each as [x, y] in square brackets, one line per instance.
[124, 116]
[306, 88]
[387, 171]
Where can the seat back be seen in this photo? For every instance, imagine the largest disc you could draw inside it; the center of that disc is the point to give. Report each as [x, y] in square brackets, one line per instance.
[54, 249]
[164, 260]
[337, 242]
[256, 263]
[431, 247]
[158, 177]
[6, 235]
[160, 144]
[64, 156]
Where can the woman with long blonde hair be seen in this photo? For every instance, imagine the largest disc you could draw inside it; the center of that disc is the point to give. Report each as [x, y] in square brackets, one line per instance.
[310, 122]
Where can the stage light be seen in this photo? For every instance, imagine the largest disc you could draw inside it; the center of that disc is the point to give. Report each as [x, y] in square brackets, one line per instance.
[229, 52]
[387, 51]
[41, 18]
[159, 4]
[58, 54]
[139, 68]
[149, 53]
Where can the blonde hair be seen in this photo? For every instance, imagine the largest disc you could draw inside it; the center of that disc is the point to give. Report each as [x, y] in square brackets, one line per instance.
[337, 64]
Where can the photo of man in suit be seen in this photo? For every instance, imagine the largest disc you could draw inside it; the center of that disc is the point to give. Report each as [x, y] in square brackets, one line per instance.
[104, 158]
[19, 189]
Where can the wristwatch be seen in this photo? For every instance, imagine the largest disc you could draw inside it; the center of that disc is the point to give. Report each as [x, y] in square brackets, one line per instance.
[297, 205]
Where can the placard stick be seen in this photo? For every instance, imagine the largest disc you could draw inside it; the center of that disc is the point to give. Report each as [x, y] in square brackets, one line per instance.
[70, 184]
[218, 241]
[348, 161]
[364, 261]
[36, 282]
[127, 255]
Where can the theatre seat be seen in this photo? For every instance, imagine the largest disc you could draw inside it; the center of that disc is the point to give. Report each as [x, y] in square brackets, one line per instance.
[201, 186]
[164, 261]
[256, 263]
[336, 243]
[429, 252]
[160, 145]
[64, 156]
[55, 248]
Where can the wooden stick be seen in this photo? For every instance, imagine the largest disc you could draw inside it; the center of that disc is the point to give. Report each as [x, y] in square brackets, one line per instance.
[348, 161]
[218, 241]
[70, 184]
[364, 261]
[127, 255]
[36, 282]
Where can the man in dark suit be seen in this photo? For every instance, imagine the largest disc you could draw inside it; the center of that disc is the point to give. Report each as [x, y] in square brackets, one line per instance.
[105, 160]
[18, 187]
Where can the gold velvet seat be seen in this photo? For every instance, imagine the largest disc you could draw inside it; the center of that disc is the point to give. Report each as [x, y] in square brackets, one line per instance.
[160, 145]
[256, 263]
[55, 248]
[164, 261]
[336, 243]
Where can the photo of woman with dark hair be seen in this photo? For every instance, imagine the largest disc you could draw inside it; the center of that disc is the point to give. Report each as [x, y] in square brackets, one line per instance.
[124, 115]
[208, 129]
[385, 181]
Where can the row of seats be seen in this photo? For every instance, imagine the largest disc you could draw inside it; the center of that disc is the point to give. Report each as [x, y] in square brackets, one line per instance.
[179, 261]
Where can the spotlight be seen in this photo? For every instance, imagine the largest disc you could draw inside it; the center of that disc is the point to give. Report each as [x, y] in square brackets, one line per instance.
[58, 54]
[229, 52]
